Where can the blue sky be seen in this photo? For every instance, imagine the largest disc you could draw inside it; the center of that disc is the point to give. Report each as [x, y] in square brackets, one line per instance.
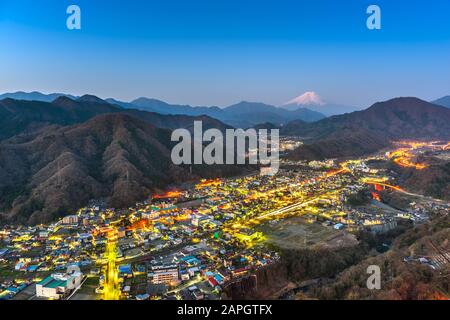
[218, 52]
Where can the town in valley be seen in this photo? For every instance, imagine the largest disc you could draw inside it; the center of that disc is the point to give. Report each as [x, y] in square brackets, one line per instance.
[193, 242]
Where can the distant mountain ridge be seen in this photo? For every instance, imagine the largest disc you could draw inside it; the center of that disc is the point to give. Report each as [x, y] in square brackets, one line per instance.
[21, 116]
[244, 114]
[35, 96]
[444, 101]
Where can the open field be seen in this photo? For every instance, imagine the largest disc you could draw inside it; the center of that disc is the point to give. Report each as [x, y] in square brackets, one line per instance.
[297, 233]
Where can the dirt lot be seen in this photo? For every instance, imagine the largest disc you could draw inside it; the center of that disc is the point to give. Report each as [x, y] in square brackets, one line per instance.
[296, 233]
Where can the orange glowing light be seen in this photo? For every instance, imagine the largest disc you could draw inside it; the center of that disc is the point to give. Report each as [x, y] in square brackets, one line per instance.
[167, 195]
[376, 196]
[336, 172]
[403, 156]
[378, 185]
[141, 224]
[208, 183]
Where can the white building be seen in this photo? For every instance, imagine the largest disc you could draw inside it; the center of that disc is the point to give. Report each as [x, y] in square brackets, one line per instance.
[59, 285]
[164, 274]
[70, 219]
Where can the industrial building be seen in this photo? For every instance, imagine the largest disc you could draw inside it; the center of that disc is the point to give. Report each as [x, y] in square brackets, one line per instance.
[59, 285]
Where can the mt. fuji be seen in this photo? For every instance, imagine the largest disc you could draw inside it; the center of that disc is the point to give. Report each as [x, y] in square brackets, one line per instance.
[313, 101]
[309, 98]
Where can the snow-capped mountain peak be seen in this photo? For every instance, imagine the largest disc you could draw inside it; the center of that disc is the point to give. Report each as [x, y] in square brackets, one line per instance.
[309, 98]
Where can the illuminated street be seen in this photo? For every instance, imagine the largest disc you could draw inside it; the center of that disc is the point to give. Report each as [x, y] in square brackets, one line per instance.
[112, 291]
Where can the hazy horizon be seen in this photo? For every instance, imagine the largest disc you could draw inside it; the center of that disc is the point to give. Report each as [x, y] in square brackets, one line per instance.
[356, 108]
